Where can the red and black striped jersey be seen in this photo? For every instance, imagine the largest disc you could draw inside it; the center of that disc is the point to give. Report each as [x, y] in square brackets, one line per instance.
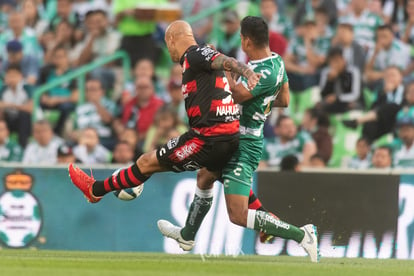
[208, 101]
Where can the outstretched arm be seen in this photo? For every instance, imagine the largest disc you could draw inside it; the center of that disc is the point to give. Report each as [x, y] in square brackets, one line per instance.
[223, 62]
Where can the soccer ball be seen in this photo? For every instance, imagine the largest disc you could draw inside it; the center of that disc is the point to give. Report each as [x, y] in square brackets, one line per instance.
[129, 193]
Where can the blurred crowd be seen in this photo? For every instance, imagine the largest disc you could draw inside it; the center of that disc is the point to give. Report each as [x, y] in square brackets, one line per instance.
[349, 62]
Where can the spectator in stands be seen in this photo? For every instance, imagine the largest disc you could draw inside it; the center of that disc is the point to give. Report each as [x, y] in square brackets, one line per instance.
[362, 159]
[144, 68]
[403, 145]
[409, 95]
[354, 54]
[62, 36]
[26, 36]
[317, 161]
[287, 141]
[28, 64]
[10, 151]
[33, 19]
[340, 84]
[6, 8]
[89, 150]
[395, 14]
[227, 39]
[98, 112]
[316, 122]
[364, 22]
[43, 148]
[277, 43]
[381, 118]
[140, 111]
[322, 24]
[202, 28]
[388, 52]
[382, 158]
[277, 21]
[82, 7]
[304, 56]
[376, 7]
[159, 133]
[64, 97]
[307, 8]
[64, 12]
[100, 40]
[407, 28]
[130, 136]
[16, 104]
[176, 101]
[123, 153]
[137, 28]
[290, 163]
[65, 154]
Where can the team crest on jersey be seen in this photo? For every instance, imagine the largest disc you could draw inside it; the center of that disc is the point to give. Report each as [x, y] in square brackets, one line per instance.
[172, 143]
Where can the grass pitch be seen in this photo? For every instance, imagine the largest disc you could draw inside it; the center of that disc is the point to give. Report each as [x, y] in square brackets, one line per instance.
[61, 263]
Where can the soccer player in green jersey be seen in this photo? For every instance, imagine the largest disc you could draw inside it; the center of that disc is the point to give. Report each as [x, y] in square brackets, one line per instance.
[255, 106]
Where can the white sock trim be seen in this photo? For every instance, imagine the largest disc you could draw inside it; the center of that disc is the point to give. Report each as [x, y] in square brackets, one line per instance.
[251, 216]
[204, 193]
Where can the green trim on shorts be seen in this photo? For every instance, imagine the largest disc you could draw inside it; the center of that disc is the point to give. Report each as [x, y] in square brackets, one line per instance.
[233, 186]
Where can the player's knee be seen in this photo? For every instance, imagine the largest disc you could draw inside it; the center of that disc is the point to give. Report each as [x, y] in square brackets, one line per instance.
[147, 163]
[205, 179]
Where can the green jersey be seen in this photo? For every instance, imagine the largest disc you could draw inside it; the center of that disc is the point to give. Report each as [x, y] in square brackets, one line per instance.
[10, 151]
[365, 26]
[255, 111]
[238, 173]
[275, 150]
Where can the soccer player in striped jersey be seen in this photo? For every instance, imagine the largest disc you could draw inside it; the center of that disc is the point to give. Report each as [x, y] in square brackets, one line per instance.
[255, 106]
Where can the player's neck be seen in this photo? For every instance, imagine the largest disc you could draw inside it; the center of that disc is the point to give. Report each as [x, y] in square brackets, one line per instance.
[258, 54]
[183, 47]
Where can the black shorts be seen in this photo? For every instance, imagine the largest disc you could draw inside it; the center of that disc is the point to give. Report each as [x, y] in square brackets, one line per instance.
[190, 152]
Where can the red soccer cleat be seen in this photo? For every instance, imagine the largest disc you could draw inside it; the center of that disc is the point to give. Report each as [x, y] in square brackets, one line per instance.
[266, 238]
[84, 183]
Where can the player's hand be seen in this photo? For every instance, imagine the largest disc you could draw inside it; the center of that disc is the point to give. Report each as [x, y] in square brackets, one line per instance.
[253, 80]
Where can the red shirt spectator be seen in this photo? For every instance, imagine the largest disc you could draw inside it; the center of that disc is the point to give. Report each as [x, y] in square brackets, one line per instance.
[277, 43]
[140, 111]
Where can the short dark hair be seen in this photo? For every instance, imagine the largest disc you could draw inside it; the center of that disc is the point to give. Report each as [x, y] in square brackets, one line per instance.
[346, 26]
[256, 29]
[14, 67]
[335, 52]
[385, 27]
[280, 119]
[321, 117]
[93, 12]
[289, 163]
[364, 139]
[387, 148]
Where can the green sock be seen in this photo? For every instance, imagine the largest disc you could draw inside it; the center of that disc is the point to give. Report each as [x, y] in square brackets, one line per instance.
[198, 210]
[265, 222]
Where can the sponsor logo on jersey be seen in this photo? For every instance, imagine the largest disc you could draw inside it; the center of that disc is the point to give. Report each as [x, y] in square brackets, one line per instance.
[185, 151]
[227, 110]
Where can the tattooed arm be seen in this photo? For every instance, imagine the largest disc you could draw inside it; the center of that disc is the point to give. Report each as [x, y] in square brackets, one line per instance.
[223, 62]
